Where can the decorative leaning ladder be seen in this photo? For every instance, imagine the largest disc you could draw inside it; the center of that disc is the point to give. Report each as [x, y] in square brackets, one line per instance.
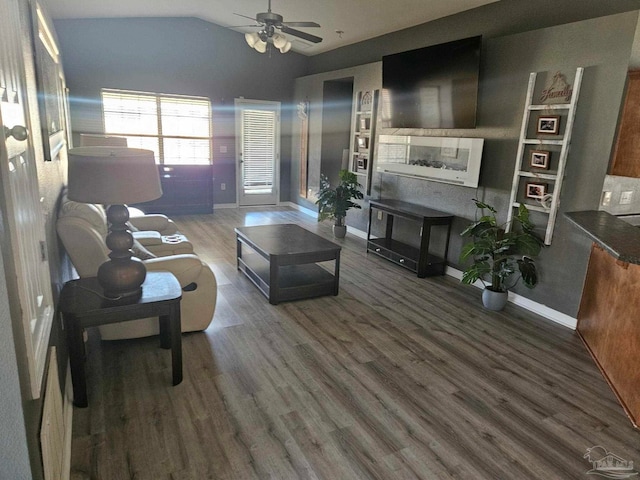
[564, 144]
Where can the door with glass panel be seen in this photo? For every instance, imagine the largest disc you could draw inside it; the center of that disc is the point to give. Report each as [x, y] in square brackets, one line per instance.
[257, 151]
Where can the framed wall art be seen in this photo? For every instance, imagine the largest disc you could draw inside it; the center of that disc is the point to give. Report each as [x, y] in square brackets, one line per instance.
[51, 88]
[549, 124]
[536, 191]
[539, 159]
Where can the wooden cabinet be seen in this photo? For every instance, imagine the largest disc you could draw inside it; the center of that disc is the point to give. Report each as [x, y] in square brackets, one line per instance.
[186, 189]
[608, 324]
[626, 154]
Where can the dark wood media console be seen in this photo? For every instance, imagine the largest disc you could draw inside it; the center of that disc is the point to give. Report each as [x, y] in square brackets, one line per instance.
[416, 259]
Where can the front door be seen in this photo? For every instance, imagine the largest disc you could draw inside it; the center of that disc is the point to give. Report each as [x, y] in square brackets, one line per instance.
[22, 235]
[257, 152]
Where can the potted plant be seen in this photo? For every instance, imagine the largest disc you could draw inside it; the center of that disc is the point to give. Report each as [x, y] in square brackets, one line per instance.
[334, 202]
[498, 254]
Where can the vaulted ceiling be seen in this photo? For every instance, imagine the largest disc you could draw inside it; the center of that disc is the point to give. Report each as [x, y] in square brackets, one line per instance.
[343, 22]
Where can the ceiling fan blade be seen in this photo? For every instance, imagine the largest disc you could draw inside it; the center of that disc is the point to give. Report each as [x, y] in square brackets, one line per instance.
[301, 24]
[299, 34]
[257, 25]
[250, 18]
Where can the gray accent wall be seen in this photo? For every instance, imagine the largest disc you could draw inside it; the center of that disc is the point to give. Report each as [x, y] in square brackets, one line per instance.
[497, 19]
[185, 56]
[602, 45]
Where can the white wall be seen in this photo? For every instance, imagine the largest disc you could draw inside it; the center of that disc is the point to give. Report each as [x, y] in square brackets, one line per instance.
[14, 456]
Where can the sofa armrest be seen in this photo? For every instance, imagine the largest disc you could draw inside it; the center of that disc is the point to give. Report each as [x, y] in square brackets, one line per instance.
[159, 223]
[186, 268]
[148, 237]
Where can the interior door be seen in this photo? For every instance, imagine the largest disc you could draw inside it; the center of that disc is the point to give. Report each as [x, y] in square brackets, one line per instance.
[22, 234]
[257, 152]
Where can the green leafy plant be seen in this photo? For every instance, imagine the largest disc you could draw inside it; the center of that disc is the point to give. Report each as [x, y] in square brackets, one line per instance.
[498, 254]
[334, 202]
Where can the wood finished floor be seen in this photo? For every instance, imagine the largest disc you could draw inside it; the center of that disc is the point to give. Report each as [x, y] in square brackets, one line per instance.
[395, 378]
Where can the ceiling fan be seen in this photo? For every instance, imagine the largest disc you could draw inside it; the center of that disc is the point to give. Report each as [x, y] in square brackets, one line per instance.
[270, 23]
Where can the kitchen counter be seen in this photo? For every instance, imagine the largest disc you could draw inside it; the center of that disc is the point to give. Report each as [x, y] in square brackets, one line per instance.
[609, 311]
[620, 239]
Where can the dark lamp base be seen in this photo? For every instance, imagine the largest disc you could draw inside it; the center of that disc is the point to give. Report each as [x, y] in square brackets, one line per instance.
[121, 276]
[122, 279]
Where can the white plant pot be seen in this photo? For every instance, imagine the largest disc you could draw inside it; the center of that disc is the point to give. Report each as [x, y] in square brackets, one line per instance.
[339, 231]
[495, 301]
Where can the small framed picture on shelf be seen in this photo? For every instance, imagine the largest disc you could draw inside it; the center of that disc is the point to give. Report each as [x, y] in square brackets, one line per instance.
[364, 123]
[361, 163]
[536, 191]
[539, 159]
[548, 124]
[363, 143]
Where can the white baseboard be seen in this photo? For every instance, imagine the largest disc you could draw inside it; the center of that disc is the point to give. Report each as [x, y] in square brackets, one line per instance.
[220, 206]
[528, 304]
[356, 233]
[300, 208]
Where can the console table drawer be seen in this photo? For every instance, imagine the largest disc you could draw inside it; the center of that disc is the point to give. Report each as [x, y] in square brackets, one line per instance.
[388, 249]
[404, 261]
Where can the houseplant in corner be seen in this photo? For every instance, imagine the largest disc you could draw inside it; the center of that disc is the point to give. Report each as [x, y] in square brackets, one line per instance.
[334, 202]
[498, 254]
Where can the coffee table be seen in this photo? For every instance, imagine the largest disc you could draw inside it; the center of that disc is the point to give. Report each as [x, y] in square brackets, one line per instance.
[282, 261]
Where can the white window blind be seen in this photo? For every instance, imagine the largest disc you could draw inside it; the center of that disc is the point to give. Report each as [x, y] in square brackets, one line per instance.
[258, 148]
[176, 128]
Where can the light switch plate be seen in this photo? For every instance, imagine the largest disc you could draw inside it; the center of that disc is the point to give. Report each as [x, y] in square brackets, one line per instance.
[606, 199]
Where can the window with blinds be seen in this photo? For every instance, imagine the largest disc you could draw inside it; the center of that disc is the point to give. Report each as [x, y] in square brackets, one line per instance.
[176, 128]
[258, 149]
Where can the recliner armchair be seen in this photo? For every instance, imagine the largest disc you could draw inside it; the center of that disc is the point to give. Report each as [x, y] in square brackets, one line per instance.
[82, 227]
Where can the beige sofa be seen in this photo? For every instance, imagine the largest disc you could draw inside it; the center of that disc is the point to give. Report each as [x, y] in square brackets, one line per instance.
[82, 227]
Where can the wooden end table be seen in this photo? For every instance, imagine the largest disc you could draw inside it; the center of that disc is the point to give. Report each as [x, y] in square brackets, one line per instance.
[83, 305]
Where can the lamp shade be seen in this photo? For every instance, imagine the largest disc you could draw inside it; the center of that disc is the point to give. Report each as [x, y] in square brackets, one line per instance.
[279, 40]
[286, 47]
[260, 46]
[112, 175]
[251, 38]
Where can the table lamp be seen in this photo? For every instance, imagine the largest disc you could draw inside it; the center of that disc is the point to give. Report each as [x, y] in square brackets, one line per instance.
[115, 176]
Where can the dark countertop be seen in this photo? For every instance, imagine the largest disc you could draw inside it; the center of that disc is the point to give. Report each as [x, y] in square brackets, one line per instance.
[616, 236]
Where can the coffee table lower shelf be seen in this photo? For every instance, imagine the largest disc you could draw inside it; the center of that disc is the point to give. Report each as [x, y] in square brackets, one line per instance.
[295, 282]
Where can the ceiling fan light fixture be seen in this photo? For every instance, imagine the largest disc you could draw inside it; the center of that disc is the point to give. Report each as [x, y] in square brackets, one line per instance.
[252, 39]
[285, 48]
[260, 46]
[279, 40]
[271, 24]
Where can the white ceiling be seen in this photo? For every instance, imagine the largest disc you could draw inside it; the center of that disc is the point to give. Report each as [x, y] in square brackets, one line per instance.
[358, 19]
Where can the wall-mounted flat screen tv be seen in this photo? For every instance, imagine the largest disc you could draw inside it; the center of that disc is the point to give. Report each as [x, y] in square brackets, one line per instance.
[433, 87]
